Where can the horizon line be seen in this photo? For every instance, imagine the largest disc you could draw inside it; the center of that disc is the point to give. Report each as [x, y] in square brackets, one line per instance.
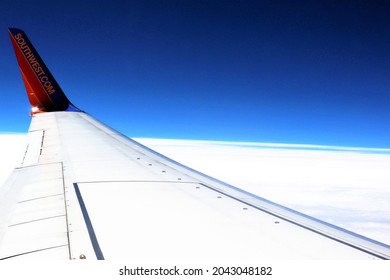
[252, 144]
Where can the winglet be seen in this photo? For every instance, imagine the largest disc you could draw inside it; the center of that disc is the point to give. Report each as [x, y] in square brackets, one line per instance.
[43, 91]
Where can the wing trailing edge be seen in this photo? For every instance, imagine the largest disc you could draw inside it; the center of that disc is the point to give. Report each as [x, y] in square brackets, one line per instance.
[43, 91]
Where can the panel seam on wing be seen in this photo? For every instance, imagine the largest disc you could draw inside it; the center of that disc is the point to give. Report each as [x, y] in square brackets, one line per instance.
[38, 198]
[138, 181]
[34, 251]
[38, 164]
[37, 220]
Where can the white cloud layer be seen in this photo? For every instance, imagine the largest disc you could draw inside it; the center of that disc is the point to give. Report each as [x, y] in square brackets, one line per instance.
[347, 187]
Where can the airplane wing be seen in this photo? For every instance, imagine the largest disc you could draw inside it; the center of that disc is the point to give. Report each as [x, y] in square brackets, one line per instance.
[84, 190]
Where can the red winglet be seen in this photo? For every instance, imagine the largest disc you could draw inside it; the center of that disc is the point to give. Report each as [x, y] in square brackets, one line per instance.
[43, 91]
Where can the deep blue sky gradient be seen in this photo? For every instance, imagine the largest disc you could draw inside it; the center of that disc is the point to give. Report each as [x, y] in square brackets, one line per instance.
[313, 72]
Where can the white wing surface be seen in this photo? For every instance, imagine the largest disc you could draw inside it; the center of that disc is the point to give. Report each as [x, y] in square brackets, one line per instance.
[83, 190]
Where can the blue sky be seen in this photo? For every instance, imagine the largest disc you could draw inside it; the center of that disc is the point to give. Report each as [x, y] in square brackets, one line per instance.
[311, 72]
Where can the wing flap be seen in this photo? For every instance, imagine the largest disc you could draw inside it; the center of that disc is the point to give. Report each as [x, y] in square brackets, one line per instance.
[37, 219]
[34, 147]
[33, 237]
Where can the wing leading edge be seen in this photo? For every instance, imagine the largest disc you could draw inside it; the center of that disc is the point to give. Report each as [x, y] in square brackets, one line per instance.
[84, 190]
